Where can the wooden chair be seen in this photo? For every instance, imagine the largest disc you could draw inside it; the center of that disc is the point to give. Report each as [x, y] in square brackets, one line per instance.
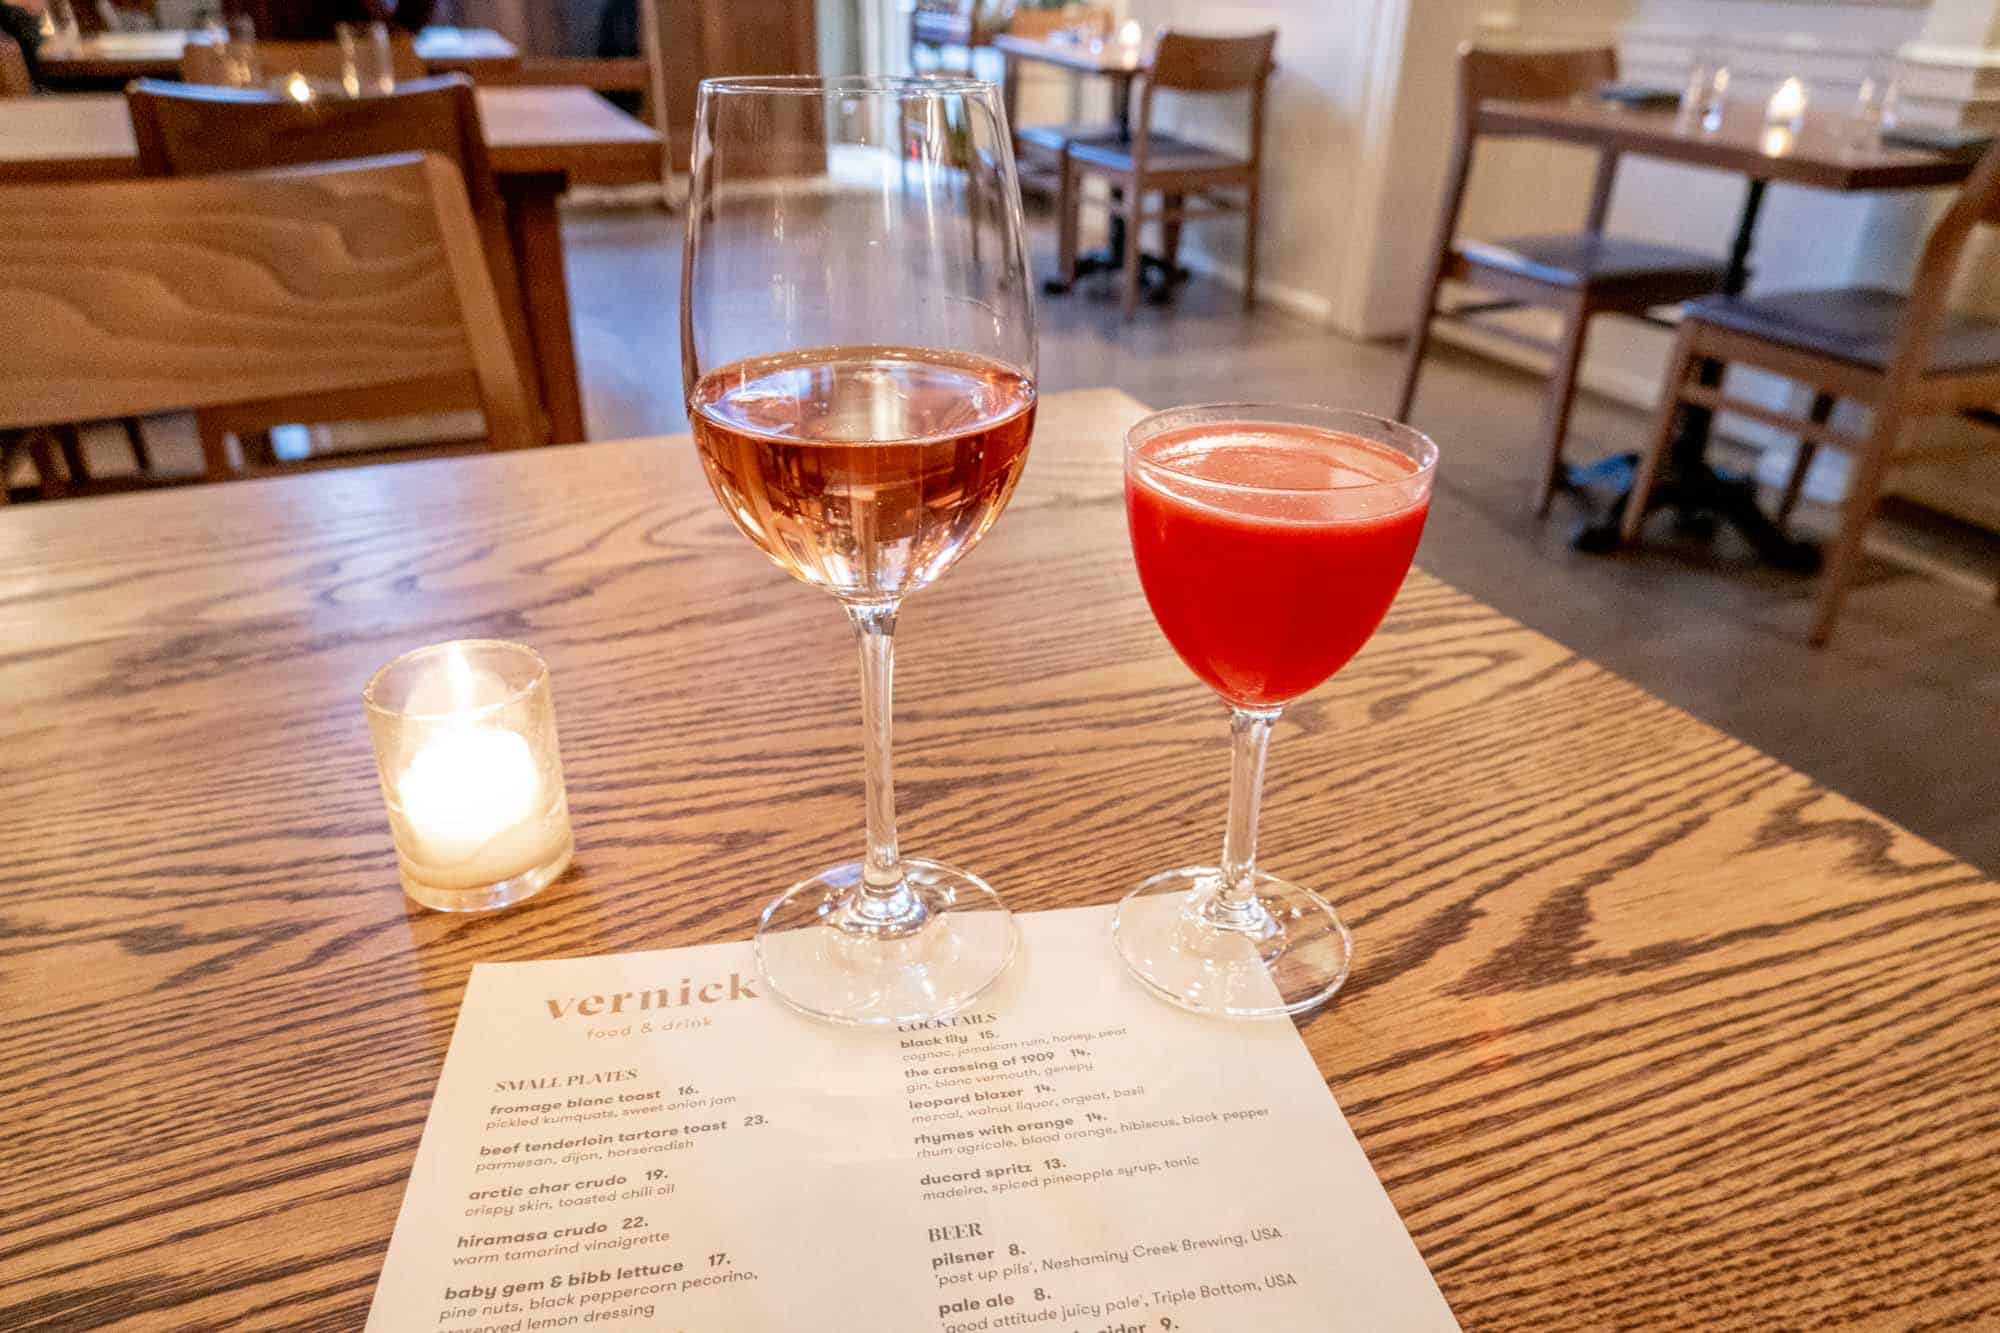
[185, 129]
[1903, 357]
[202, 62]
[1193, 180]
[356, 289]
[14, 80]
[1580, 274]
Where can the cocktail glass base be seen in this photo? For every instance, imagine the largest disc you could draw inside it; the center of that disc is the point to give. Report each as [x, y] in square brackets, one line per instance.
[823, 955]
[1287, 953]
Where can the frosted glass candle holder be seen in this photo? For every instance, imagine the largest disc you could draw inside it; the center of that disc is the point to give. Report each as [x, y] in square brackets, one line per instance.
[465, 744]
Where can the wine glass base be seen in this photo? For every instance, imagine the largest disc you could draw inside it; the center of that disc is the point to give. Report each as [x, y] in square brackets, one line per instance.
[817, 961]
[1292, 955]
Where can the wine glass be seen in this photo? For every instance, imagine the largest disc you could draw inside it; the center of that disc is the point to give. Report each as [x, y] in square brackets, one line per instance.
[858, 349]
[1270, 542]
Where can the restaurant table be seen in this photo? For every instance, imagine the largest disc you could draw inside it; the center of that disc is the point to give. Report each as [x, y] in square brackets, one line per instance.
[1120, 63]
[540, 139]
[157, 54]
[1830, 152]
[1644, 1030]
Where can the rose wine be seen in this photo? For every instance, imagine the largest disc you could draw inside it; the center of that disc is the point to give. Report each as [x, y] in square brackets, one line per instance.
[1269, 554]
[866, 470]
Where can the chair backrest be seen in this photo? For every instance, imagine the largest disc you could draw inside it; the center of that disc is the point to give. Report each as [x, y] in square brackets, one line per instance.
[1197, 63]
[203, 62]
[1978, 202]
[1489, 75]
[196, 130]
[191, 130]
[340, 283]
[14, 80]
[1192, 62]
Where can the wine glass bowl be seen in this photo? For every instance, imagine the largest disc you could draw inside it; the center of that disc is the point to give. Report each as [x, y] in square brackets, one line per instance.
[1270, 542]
[858, 352]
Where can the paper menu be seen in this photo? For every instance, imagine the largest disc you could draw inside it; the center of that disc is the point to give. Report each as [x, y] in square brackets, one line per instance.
[647, 1141]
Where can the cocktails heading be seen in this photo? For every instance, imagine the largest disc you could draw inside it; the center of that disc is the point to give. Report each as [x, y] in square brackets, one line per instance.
[666, 997]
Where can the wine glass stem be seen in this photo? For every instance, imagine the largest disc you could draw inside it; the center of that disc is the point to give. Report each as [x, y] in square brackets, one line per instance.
[884, 897]
[1236, 906]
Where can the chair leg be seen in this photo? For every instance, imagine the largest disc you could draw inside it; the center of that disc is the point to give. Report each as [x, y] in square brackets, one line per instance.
[1069, 210]
[70, 439]
[135, 435]
[214, 449]
[1128, 302]
[1655, 452]
[1420, 341]
[1170, 233]
[1822, 410]
[1857, 511]
[1252, 205]
[1555, 413]
[44, 453]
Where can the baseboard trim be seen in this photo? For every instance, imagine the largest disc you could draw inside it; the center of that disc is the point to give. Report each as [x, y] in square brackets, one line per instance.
[1292, 300]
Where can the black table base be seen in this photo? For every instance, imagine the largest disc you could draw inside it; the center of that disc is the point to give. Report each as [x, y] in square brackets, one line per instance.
[1701, 498]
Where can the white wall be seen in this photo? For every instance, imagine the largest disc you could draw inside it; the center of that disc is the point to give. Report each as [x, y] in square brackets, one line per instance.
[1318, 196]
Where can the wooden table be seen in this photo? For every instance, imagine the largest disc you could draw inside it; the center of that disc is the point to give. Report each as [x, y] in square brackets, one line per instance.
[157, 55]
[540, 139]
[1645, 1030]
[1828, 153]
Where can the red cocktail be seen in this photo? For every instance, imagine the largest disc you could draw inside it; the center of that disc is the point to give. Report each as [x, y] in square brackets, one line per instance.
[1270, 542]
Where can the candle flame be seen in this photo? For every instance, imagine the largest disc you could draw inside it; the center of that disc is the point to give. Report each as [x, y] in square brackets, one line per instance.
[1788, 104]
[1130, 33]
[298, 87]
[459, 680]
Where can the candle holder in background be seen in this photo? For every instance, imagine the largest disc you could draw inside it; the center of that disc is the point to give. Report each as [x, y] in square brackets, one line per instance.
[1787, 107]
[1875, 104]
[465, 743]
[367, 63]
[1707, 91]
[1784, 117]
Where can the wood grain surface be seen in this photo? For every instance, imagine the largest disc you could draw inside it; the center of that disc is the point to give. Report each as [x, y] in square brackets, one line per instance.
[568, 132]
[1645, 1030]
[1829, 153]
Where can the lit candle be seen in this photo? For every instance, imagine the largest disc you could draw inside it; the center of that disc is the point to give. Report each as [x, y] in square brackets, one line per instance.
[463, 794]
[298, 87]
[465, 744]
[1787, 106]
[1130, 34]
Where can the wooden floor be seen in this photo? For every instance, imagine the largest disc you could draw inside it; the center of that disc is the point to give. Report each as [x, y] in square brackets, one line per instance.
[1902, 711]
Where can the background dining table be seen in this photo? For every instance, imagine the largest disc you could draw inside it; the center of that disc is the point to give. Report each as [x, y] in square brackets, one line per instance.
[157, 54]
[1645, 1029]
[1828, 151]
[541, 140]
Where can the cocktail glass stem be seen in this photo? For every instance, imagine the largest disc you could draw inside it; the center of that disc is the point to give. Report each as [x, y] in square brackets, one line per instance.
[1236, 907]
[884, 904]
